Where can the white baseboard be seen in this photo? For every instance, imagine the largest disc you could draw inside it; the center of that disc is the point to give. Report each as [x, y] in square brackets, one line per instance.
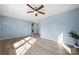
[69, 43]
[76, 46]
[0, 38]
[13, 37]
[56, 40]
[48, 38]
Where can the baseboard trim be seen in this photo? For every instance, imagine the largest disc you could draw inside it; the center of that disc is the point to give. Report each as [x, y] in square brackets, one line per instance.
[0, 38]
[56, 40]
[69, 44]
[47, 38]
[14, 37]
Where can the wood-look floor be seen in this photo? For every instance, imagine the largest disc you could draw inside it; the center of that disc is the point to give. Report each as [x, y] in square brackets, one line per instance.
[34, 46]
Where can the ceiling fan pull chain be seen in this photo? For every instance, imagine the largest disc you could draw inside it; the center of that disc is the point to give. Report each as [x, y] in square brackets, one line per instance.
[36, 14]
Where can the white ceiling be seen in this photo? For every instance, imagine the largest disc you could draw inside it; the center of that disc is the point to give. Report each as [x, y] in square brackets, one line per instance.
[20, 10]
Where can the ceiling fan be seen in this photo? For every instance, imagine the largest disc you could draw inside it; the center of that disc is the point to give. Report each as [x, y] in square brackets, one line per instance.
[36, 10]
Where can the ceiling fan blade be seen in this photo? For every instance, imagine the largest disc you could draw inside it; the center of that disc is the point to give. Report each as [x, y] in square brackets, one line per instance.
[31, 7]
[30, 11]
[41, 12]
[39, 7]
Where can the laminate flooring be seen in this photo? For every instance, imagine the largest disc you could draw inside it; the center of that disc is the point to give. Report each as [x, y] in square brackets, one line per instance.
[34, 45]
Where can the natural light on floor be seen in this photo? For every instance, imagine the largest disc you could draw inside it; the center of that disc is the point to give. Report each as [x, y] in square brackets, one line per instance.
[23, 45]
[60, 41]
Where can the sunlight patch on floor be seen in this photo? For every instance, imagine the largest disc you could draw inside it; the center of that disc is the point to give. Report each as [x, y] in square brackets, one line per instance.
[32, 40]
[17, 44]
[27, 38]
[60, 41]
[23, 45]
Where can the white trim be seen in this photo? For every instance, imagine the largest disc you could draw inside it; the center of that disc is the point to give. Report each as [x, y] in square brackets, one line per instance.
[56, 40]
[69, 43]
[76, 46]
[13, 37]
[0, 39]
[47, 38]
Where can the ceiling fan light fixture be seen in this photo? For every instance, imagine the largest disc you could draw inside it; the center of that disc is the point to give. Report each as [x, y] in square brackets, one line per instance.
[35, 12]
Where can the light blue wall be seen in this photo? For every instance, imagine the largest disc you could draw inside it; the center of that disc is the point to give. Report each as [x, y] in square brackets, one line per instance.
[53, 26]
[12, 27]
[0, 27]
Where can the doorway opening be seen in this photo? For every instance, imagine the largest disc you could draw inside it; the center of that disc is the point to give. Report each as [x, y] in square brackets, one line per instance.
[35, 29]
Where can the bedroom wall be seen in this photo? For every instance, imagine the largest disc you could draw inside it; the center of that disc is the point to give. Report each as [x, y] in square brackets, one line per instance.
[60, 25]
[0, 27]
[12, 27]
